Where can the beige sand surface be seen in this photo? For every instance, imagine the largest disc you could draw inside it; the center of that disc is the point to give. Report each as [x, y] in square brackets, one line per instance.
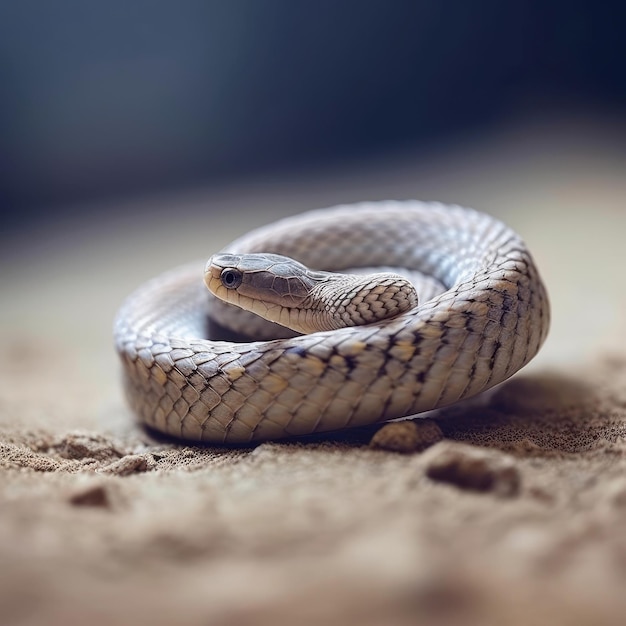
[516, 516]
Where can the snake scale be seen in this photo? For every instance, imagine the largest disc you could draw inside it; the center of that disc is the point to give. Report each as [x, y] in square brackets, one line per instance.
[483, 314]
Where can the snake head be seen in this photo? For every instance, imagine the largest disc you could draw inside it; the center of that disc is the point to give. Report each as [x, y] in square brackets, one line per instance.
[266, 284]
[284, 291]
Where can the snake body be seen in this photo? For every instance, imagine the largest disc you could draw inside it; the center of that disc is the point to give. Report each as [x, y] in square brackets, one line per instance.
[483, 314]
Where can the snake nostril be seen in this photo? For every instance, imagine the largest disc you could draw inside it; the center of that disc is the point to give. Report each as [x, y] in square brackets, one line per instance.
[231, 278]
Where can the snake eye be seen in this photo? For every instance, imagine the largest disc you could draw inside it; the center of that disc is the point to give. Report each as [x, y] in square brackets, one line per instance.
[231, 278]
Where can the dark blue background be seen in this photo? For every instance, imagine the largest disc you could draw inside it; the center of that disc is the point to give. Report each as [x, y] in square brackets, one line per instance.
[102, 99]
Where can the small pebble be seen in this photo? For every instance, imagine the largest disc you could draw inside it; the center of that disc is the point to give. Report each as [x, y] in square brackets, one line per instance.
[86, 445]
[129, 464]
[407, 436]
[12, 456]
[476, 469]
[94, 495]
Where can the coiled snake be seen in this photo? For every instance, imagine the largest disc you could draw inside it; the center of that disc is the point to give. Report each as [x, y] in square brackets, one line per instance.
[483, 313]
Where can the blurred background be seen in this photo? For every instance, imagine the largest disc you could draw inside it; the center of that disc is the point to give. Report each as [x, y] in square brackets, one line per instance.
[136, 136]
[107, 100]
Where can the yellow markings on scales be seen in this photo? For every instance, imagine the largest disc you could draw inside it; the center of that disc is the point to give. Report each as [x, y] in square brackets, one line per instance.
[158, 374]
[312, 365]
[352, 348]
[233, 372]
[403, 351]
[273, 383]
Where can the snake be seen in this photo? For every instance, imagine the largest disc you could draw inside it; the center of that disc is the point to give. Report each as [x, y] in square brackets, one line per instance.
[461, 308]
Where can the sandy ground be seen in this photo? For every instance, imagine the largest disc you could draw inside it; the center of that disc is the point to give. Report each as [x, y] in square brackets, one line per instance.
[516, 514]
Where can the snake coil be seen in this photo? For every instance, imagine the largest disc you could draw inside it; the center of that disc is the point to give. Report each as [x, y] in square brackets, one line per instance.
[485, 317]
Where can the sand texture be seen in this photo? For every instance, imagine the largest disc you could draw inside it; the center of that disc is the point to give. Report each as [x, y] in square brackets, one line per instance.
[510, 509]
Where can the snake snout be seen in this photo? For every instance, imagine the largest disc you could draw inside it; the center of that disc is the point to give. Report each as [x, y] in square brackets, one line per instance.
[214, 267]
